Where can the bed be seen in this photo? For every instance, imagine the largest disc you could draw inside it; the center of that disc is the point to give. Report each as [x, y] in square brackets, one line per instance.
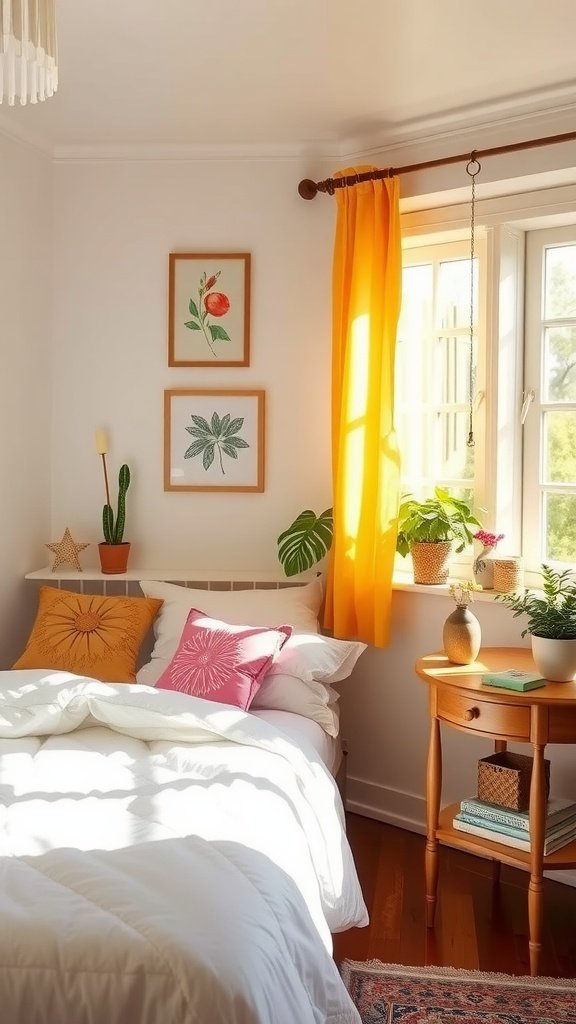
[166, 857]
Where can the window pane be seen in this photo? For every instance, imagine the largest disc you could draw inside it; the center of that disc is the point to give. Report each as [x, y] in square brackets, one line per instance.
[452, 458]
[453, 308]
[560, 536]
[560, 364]
[453, 369]
[560, 282]
[560, 447]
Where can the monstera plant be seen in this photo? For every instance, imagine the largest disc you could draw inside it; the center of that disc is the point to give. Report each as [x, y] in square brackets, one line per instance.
[306, 541]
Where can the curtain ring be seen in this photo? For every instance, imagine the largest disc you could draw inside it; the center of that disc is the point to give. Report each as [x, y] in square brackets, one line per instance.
[470, 165]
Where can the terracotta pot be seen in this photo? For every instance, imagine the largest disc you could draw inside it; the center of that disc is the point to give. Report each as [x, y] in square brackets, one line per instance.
[461, 636]
[430, 561]
[114, 557]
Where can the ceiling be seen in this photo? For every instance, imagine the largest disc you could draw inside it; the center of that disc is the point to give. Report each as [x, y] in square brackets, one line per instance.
[298, 73]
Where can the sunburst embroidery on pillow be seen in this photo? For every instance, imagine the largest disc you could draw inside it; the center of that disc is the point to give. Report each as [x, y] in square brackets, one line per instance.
[89, 627]
[205, 662]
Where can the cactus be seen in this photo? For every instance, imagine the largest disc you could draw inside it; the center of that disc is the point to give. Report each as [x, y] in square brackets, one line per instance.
[114, 531]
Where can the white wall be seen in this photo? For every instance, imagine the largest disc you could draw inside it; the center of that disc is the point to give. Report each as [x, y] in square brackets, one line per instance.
[116, 223]
[25, 344]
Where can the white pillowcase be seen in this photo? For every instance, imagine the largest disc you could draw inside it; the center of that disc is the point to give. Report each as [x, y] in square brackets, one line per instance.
[292, 606]
[312, 657]
[311, 700]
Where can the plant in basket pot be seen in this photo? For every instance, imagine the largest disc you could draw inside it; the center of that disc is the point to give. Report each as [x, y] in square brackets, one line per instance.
[430, 529]
[114, 550]
[551, 622]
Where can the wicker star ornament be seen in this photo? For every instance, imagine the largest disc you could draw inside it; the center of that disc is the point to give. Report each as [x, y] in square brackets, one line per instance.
[67, 551]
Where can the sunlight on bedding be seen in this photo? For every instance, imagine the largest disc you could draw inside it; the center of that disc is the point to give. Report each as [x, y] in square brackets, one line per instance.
[114, 767]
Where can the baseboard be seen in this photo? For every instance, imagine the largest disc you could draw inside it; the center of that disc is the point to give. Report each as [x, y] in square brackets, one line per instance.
[405, 810]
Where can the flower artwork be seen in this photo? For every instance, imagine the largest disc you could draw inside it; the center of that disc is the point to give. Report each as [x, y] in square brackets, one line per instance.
[209, 303]
[214, 440]
[209, 307]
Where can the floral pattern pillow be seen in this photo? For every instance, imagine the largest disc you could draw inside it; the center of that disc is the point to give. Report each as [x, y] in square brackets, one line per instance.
[222, 662]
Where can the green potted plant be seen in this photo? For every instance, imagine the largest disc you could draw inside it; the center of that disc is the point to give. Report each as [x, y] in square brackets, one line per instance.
[114, 550]
[551, 622]
[306, 541]
[430, 529]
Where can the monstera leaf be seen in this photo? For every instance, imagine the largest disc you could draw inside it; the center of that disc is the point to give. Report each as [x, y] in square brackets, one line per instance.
[305, 541]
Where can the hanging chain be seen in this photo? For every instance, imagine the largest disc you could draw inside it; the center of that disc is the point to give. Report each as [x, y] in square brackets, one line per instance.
[473, 167]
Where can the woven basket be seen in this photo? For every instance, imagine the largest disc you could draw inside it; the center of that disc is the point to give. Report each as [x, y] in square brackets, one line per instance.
[504, 779]
[430, 561]
[507, 574]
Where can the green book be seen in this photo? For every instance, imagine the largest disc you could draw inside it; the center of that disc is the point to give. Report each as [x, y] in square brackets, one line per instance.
[514, 679]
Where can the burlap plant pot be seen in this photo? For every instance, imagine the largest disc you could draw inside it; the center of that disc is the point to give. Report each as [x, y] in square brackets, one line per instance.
[430, 561]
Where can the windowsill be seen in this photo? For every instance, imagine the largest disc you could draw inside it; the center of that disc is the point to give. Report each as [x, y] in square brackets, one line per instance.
[405, 581]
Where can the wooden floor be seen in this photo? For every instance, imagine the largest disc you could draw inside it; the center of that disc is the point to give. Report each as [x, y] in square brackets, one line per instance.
[478, 926]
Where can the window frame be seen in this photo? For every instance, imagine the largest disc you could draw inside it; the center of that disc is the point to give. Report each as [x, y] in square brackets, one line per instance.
[435, 250]
[538, 241]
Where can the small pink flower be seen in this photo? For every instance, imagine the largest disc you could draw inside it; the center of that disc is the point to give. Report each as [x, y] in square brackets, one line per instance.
[489, 540]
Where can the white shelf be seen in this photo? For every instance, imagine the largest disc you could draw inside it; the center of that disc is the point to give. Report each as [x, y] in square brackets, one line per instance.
[175, 575]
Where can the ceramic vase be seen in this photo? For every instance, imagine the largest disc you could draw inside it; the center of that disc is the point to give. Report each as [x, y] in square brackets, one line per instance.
[483, 568]
[461, 636]
[554, 659]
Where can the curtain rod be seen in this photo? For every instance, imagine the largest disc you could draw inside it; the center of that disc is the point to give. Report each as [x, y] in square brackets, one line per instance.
[309, 189]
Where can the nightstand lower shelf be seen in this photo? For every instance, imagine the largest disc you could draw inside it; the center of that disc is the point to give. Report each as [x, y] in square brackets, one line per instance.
[446, 833]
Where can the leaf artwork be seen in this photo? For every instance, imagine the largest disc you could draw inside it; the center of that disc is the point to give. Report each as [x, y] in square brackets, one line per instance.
[220, 435]
[210, 303]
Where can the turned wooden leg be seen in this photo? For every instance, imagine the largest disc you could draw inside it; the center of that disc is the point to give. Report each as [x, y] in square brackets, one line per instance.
[537, 830]
[433, 789]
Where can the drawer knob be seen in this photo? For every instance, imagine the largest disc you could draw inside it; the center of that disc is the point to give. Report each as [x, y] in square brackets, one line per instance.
[471, 714]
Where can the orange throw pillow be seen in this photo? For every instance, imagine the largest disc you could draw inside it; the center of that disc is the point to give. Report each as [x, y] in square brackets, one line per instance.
[89, 634]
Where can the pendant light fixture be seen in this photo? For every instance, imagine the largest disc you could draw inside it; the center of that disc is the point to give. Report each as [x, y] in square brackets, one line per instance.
[28, 56]
[473, 167]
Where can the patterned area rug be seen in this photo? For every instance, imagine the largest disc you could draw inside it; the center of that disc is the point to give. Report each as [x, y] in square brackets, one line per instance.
[392, 994]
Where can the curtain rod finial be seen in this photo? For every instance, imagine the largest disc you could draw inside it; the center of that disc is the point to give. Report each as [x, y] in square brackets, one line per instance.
[307, 189]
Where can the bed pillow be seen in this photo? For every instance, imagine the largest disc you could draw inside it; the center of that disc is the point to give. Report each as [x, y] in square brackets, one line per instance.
[310, 656]
[297, 606]
[311, 700]
[88, 634]
[222, 662]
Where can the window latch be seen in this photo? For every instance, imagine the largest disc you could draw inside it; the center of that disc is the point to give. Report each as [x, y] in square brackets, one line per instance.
[527, 399]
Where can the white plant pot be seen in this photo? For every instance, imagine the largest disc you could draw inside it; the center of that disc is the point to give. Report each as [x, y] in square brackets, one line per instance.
[555, 659]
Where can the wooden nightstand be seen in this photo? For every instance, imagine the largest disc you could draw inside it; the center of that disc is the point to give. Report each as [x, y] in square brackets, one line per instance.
[541, 716]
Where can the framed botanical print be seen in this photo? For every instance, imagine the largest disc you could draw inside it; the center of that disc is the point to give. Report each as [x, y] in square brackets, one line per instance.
[209, 309]
[214, 440]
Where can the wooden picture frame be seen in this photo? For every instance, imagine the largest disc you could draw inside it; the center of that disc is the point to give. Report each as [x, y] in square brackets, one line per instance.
[209, 309]
[214, 439]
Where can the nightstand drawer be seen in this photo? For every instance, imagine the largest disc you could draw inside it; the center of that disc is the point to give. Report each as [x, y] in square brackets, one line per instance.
[484, 716]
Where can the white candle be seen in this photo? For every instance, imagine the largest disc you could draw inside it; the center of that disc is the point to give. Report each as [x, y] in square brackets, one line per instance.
[101, 442]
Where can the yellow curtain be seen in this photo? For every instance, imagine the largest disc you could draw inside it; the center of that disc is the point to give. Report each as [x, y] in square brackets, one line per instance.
[367, 276]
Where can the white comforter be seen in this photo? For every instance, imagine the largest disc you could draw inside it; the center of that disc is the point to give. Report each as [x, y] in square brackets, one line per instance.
[164, 860]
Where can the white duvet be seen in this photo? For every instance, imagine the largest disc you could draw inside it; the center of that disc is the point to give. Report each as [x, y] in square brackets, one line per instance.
[164, 860]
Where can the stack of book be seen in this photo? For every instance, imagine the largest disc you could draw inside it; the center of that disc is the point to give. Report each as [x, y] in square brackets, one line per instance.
[512, 828]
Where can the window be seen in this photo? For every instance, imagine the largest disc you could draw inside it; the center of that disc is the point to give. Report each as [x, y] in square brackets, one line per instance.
[549, 462]
[433, 370]
[521, 480]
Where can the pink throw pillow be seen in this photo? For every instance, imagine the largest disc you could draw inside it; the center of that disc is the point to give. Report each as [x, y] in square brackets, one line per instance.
[222, 662]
